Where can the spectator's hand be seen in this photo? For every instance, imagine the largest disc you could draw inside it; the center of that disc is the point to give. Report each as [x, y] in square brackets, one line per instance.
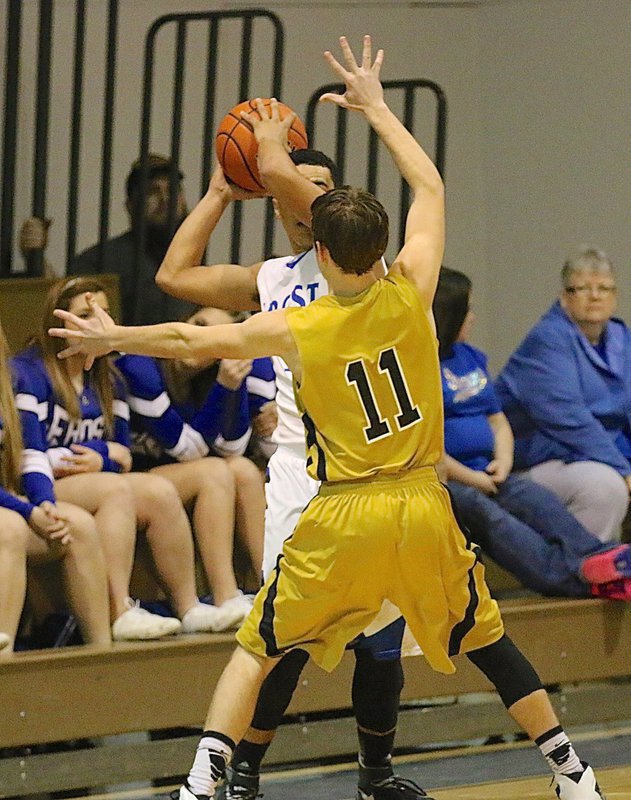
[483, 482]
[34, 234]
[49, 524]
[85, 459]
[219, 185]
[233, 371]
[265, 422]
[120, 454]
[363, 87]
[498, 470]
[268, 126]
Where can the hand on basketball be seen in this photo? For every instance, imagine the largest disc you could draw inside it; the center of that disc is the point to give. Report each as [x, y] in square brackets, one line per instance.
[88, 337]
[268, 125]
[221, 186]
[363, 87]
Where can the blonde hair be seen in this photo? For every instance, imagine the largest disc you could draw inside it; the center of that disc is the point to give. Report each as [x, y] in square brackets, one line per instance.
[101, 376]
[12, 444]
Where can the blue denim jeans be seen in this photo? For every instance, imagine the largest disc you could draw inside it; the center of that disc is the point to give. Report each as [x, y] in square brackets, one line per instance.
[528, 531]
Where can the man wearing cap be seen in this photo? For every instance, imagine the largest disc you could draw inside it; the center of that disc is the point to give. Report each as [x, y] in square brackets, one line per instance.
[142, 302]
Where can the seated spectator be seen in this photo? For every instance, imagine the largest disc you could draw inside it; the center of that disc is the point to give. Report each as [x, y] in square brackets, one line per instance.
[76, 432]
[188, 415]
[523, 526]
[566, 391]
[136, 262]
[37, 532]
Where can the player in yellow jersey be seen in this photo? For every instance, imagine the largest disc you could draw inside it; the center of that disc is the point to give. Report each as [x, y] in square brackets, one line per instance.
[365, 365]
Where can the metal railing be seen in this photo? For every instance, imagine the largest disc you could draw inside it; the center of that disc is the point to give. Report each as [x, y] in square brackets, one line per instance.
[41, 119]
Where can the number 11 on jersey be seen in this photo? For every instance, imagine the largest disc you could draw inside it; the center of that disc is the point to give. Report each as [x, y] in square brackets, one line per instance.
[378, 427]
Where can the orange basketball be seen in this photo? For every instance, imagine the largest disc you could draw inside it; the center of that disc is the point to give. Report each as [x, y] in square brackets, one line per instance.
[236, 146]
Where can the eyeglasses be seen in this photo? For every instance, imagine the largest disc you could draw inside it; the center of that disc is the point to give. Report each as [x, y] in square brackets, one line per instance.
[583, 291]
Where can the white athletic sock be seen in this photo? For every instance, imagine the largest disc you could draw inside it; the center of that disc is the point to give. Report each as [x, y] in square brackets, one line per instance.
[213, 753]
[559, 753]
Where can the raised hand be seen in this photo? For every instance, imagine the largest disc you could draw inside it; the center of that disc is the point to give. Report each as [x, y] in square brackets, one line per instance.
[363, 86]
[221, 186]
[268, 125]
[88, 337]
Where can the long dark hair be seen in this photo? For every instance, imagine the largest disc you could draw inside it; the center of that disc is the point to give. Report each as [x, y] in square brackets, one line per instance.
[451, 304]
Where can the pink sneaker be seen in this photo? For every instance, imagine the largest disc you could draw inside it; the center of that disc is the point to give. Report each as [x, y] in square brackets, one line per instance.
[613, 590]
[609, 565]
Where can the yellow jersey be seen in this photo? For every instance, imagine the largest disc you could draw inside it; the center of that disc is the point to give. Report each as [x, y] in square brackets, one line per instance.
[370, 394]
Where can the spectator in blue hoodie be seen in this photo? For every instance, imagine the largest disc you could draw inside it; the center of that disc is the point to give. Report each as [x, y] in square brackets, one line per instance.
[566, 391]
[520, 524]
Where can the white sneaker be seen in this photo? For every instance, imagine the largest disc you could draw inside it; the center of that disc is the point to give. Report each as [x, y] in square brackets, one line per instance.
[586, 789]
[236, 609]
[138, 624]
[5, 640]
[204, 618]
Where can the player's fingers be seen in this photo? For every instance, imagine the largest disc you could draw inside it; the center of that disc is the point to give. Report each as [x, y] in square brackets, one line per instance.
[331, 97]
[89, 363]
[335, 65]
[367, 53]
[288, 121]
[264, 111]
[274, 110]
[376, 67]
[349, 58]
[69, 317]
[68, 352]
[250, 118]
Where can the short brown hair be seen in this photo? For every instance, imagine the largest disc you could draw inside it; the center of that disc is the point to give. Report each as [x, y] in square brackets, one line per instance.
[353, 226]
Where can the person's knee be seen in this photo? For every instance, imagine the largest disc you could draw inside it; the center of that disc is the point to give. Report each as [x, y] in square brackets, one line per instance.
[14, 532]
[508, 669]
[605, 487]
[245, 472]
[157, 495]
[82, 525]
[216, 473]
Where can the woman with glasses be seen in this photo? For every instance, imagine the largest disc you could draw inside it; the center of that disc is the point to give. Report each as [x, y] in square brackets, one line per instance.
[566, 391]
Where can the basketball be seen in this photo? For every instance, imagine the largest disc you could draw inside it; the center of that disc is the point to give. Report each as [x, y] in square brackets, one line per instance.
[236, 146]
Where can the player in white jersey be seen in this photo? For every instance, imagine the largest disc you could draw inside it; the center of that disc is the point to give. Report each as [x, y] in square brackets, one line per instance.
[277, 283]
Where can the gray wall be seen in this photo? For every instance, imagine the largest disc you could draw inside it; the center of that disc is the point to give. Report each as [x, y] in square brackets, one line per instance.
[538, 133]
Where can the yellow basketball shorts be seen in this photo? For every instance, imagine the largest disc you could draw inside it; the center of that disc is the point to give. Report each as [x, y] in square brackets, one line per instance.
[360, 543]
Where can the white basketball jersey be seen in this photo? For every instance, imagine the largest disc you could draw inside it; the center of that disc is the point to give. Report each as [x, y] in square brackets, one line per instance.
[284, 282]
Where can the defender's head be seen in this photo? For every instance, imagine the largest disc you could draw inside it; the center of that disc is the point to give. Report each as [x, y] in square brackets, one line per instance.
[353, 227]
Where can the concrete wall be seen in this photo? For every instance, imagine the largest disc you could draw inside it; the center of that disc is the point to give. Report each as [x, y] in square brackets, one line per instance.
[538, 132]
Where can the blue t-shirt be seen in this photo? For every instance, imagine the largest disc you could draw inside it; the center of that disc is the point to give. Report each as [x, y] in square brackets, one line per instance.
[469, 398]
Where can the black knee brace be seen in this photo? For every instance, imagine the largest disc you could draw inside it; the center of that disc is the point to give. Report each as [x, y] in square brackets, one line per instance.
[508, 669]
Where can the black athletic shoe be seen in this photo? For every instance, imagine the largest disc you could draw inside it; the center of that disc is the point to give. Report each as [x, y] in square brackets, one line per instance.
[391, 788]
[238, 786]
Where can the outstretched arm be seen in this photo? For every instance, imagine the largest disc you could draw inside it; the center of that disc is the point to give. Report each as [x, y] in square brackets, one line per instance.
[421, 256]
[228, 286]
[261, 335]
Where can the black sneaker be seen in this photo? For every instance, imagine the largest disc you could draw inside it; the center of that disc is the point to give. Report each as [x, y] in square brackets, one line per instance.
[238, 786]
[391, 788]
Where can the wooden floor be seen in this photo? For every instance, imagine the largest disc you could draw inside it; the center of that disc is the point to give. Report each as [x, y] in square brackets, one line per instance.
[475, 765]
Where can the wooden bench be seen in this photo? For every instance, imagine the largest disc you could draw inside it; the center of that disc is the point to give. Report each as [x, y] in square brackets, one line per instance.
[582, 646]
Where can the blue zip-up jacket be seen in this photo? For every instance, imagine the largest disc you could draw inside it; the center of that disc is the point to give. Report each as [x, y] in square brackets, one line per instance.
[566, 399]
[48, 431]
